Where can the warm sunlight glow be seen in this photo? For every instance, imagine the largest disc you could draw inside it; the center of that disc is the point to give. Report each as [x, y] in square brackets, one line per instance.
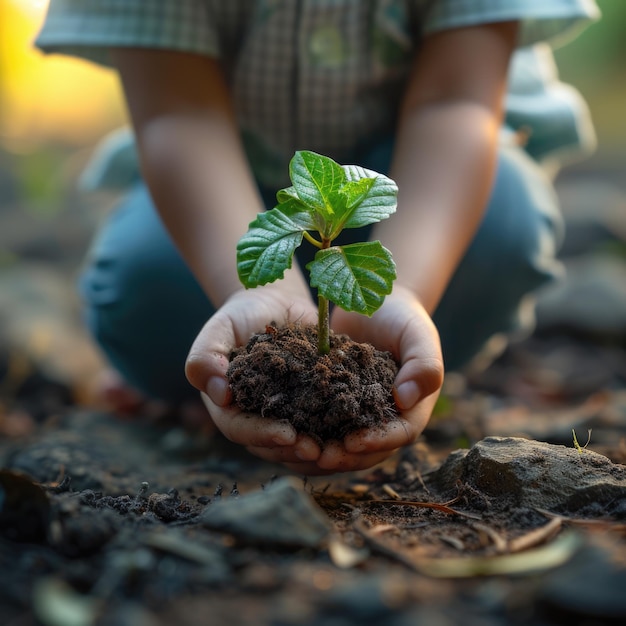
[49, 98]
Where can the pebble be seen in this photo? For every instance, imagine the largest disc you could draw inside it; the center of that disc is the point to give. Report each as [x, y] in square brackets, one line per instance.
[282, 514]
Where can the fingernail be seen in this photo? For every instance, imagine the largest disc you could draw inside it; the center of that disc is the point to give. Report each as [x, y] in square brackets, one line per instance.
[281, 440]
[284, 437]
[306, 450]
[406, 395]
[217, 390]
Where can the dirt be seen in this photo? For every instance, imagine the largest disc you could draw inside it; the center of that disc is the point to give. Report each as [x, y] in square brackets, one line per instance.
[109, 522]
[280, 374]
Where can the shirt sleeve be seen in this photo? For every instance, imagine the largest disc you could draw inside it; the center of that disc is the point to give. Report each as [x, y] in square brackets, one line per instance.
[552, 21]
[88, 28]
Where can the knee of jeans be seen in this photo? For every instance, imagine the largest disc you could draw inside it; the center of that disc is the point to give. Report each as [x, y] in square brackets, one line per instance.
[523, 222]
[132, 254]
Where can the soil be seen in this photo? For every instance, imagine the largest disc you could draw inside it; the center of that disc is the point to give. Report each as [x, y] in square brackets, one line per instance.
[106, 522]
[280, 374]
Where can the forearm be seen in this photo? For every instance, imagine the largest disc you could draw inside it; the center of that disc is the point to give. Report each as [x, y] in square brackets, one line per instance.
[444, 165]
[203, 192]
[193, 162]
[444, 162]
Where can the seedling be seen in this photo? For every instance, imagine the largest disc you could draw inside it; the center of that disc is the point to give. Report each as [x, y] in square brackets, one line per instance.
[324, 198]
[578, 447]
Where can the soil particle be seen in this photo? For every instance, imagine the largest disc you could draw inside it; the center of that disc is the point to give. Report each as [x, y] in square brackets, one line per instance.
[280, 374]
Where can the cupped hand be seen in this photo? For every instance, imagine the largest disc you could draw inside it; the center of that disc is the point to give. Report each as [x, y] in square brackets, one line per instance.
[243, 314]
[402, 327]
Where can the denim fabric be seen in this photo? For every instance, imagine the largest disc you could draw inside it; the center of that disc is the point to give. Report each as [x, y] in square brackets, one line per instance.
[142, 304]
[145, 308]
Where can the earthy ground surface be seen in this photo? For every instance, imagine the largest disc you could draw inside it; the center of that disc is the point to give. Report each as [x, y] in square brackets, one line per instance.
[137, 522]
[496, 516]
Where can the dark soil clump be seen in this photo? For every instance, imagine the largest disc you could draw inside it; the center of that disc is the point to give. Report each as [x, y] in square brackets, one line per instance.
[279, 374]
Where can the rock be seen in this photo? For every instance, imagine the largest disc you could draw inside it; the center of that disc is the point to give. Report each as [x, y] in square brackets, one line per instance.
[589, 301]
[24, 508]
[282, 514]
[594, 212]
[367, 600]
[520, 472]
[589, 590]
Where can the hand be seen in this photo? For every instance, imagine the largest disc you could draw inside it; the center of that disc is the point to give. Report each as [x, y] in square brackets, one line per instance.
[402, 327]
[243, 314]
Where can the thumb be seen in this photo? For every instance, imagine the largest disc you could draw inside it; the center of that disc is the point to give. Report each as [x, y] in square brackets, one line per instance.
[422, 370]
[208, 359]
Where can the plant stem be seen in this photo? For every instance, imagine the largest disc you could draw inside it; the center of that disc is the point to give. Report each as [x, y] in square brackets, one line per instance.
[323, 326]
[323, 315]
[311, 239]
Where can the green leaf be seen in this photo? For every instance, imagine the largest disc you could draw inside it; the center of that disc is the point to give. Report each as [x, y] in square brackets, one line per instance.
[356, 191]
[284, 195]
[345, 202]
[266, 250]
[379, 202]
[356, 277]
[316, 178]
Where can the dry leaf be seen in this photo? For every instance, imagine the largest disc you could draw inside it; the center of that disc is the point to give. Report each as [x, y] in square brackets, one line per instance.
[344, 556]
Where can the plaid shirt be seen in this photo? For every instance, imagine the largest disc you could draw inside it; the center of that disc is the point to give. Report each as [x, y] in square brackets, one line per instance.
[322, 75]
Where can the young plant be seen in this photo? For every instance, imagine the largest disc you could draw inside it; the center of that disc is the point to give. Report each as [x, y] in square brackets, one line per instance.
[324, 198]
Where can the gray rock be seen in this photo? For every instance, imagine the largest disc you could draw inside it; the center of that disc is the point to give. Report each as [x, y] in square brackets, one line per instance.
[594, 212]
[591, 299]
[589, 590]
[525, 473]
[282, 514]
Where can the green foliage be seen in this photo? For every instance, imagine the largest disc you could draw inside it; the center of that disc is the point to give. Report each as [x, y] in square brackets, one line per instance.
[578, 447]
[356, 277]
[324, 199]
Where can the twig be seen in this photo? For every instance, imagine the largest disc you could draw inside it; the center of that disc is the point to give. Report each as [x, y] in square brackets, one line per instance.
[536, 537]
[383, 548]
[391, 492]
[600, 523]
[498, 540]
[444, 508]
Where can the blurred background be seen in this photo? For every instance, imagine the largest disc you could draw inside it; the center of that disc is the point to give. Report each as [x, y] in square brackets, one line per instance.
[53, 111]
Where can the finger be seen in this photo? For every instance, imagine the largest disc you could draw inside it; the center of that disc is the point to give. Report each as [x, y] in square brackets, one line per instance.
[304, 450]
[303, 468]
[336, 458]
[208, 358]
[249, 429]
[308, 469]
[422, 370]
[391, 436]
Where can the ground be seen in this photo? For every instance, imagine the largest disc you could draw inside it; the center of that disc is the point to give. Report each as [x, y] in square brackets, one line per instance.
[137, 522]
[510, 509]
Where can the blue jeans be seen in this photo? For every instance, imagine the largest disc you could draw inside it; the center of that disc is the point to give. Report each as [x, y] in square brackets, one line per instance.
[144, 307]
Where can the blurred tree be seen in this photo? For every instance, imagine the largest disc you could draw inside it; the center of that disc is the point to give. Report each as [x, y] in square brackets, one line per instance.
[49, 99]
[595, 63]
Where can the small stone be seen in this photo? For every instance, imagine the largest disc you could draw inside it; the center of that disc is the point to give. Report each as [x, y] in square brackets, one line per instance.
[282, 514]
[589, 590]
[590, 300]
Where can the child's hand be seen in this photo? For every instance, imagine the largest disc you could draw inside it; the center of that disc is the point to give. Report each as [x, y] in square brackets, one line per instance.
[402, 327]
[245, 313]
